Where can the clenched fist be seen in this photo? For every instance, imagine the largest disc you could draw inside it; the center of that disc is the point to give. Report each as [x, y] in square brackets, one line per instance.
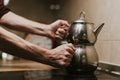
[61, 56]
[57, 29]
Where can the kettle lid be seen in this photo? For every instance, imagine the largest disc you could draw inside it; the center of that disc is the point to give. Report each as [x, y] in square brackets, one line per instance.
[82, 18]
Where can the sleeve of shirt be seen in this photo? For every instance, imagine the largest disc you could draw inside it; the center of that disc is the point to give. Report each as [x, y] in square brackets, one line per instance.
[3, 10]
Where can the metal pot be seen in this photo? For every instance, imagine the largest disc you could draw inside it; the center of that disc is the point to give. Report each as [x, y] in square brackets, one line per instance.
[83, 32]
[83, 36]
[84, 59]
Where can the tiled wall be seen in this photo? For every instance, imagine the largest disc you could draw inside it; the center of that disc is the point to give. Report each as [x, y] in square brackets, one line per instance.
[98, 11]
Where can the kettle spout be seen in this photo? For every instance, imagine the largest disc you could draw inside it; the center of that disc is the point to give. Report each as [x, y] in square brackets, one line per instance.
[97, 29]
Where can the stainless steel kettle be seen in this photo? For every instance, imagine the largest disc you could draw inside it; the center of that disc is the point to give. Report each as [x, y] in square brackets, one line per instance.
[83, 32]
[83, 36]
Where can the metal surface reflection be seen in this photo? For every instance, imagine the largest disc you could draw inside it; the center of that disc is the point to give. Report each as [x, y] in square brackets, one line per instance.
[83, 36]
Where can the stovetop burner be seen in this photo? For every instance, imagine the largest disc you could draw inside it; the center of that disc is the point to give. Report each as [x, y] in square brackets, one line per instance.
[56, 74]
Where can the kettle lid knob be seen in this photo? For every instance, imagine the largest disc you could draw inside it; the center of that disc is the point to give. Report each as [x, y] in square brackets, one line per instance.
[82, 17]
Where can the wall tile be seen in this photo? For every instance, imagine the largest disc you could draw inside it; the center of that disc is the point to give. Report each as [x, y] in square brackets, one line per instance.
[104, 50]
[115, 52]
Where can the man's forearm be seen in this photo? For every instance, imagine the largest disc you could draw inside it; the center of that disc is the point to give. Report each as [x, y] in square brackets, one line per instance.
[15, 45]
[13, 21]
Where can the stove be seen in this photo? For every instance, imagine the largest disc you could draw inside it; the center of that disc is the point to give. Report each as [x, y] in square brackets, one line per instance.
[56, 74]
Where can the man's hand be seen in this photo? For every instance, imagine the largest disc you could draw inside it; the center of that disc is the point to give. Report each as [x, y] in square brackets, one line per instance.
[58, 29]
[60, 56]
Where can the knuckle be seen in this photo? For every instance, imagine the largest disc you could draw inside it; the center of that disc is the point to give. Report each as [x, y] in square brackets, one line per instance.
[59, 20]
[62, 63]
[70, 44]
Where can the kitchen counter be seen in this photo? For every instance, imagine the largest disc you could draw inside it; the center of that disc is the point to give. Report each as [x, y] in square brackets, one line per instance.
[22, 65]
[28, 70]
